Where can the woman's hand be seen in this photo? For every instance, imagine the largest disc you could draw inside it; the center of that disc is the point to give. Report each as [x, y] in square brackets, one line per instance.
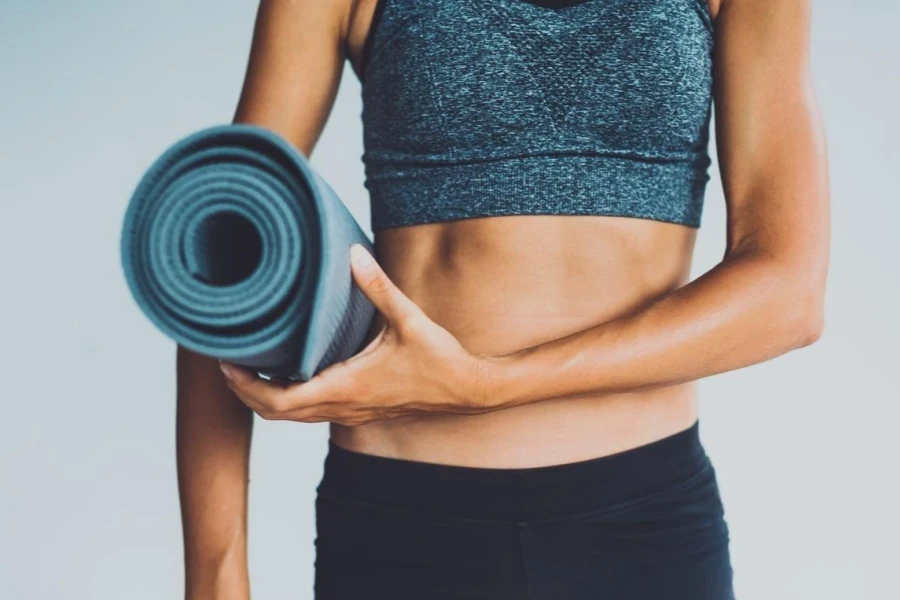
[412, 366]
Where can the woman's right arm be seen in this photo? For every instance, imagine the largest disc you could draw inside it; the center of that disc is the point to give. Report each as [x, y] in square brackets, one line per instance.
[295, 66]
[213, 451]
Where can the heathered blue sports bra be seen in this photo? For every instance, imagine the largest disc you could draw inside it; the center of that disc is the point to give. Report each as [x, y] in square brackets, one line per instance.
[476, 108]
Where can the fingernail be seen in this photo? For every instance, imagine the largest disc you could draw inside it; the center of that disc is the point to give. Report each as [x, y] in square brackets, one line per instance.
[226, 370]
[360, 256]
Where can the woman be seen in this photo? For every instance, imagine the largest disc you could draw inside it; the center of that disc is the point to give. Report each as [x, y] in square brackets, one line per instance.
[522, 422]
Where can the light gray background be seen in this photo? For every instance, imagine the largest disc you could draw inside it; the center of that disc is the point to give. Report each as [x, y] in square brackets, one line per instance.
[90, 92]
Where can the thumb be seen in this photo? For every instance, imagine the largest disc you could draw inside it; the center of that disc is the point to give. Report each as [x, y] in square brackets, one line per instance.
[378, 288]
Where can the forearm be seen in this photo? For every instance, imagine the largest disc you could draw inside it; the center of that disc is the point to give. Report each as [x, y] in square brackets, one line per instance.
[213, 444]
[748, 309]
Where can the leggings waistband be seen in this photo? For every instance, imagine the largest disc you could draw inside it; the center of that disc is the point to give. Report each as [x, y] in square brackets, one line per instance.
[512, 494]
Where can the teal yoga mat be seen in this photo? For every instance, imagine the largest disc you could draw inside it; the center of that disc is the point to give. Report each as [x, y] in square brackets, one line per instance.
[235, 248]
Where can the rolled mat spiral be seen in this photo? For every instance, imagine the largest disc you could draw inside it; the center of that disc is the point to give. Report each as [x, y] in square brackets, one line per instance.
[236, 249]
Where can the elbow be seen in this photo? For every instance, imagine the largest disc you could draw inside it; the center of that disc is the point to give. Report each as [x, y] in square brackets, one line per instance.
[805, 315]
[811, 326]
[791, 292]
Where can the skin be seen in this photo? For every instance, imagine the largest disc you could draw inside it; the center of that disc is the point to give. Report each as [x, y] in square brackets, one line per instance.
[477, 361]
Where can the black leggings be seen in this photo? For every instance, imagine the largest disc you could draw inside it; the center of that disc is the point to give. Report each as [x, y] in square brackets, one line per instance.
[644, 524]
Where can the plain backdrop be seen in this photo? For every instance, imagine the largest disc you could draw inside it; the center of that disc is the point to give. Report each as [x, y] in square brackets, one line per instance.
[91, 92]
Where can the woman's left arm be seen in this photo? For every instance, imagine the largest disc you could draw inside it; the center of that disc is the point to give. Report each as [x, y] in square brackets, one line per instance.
[764, 299]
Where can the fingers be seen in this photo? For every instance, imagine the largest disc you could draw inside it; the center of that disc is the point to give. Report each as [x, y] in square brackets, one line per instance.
[379, 289]
[273, 401]
[330, 396]
[263, 397]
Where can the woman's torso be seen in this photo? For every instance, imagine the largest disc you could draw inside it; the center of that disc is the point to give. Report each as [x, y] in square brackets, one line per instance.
[501, 283]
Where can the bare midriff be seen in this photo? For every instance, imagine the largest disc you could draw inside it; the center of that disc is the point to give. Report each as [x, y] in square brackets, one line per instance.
[500, 284]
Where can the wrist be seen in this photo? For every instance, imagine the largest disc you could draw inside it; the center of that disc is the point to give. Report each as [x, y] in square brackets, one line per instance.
[223, 586]
[225, 578]
[497, 384]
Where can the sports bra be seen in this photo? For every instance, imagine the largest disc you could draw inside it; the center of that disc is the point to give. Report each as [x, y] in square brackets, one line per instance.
[477, 108]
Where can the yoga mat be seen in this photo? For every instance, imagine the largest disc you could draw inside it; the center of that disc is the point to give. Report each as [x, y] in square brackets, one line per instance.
[236, 249]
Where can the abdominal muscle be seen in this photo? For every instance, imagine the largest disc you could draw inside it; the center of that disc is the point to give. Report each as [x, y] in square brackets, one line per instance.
[500, 284]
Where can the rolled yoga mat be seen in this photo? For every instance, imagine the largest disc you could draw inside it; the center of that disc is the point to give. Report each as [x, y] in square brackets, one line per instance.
[236, 249]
